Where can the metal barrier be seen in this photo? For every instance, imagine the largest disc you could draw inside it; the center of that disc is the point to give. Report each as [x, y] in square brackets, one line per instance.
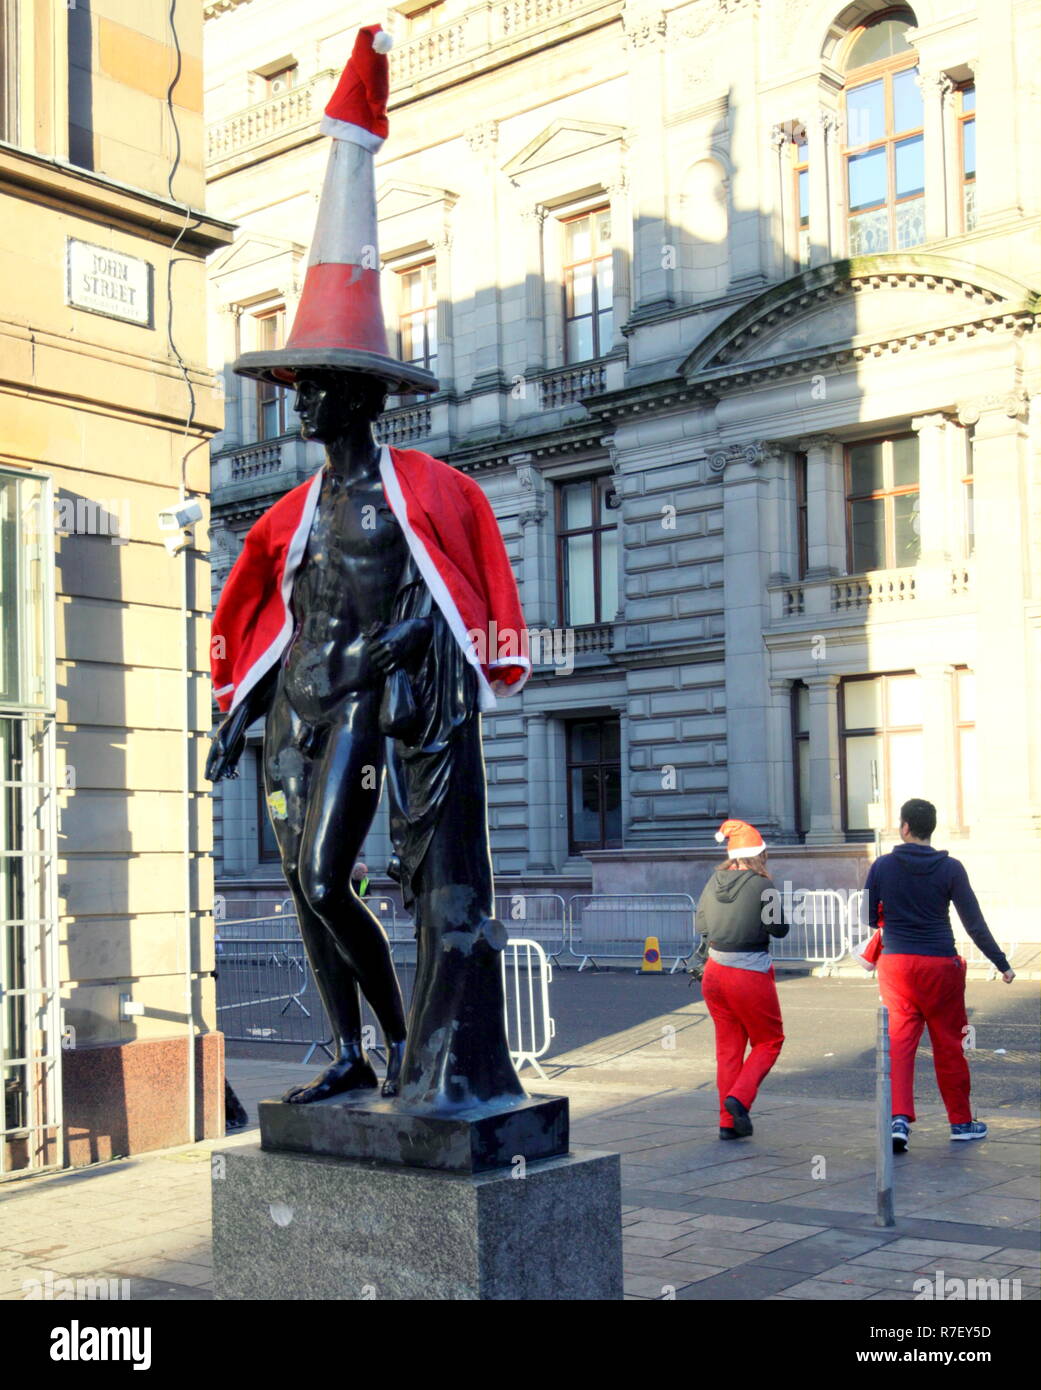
[261, 987]
[817, 928]
[264, 995]
[614, 926]
[541, 917]
[529, 1025]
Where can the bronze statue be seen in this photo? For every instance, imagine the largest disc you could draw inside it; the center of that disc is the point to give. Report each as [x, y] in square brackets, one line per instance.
[361, 613]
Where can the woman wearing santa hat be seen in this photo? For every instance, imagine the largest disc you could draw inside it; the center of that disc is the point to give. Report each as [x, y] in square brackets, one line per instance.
[738, 912]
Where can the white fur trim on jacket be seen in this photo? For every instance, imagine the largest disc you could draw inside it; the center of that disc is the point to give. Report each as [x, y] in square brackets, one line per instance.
[437, 586]
[347, 130]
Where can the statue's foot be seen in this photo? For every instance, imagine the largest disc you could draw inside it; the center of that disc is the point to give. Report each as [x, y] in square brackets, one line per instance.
[395, 1054]
[345, 1074]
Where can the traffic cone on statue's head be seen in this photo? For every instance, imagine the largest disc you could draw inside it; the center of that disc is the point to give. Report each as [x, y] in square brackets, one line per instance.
[339, 321]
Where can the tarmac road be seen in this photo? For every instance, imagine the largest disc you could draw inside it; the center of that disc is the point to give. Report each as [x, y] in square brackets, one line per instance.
[615, 1026]
[620, 1022]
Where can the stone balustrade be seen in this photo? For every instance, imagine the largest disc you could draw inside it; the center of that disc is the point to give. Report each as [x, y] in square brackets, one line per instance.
[867, 593]
[296, 109]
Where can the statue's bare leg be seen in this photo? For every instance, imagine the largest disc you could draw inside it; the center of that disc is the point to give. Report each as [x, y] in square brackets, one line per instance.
[331, 794]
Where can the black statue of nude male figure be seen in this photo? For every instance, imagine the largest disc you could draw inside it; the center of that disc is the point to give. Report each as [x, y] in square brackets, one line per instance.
[361, 612]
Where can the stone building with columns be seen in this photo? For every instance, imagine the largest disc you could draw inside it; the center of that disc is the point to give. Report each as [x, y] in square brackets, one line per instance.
[743, 351]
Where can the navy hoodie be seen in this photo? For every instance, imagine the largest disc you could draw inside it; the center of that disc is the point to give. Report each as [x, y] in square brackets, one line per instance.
[910, 891]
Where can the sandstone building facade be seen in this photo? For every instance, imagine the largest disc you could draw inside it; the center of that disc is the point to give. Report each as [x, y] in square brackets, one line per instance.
[106, 945]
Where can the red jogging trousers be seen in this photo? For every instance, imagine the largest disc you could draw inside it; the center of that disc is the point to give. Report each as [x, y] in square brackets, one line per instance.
[927, 992]
[745, 1009]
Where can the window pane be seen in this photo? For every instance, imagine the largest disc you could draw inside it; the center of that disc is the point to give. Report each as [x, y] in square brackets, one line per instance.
[585, 743]
[966, 697]
[603, 230]
[867, 179]
[970, 520]
[612, 784]
[431, 321]
[863, 766]
[578, 505]
[907, 101]
[803, 754]
[905, 461]
[968, 98]
[906, 528]
[608, 576]
[604, 282]
[881, 40]
[865, 114]
[967, 757]
[580, 340]
[905, 701]
[802, 710]
[605, 332]
[910, 223]
[611, 746]
[578, 580]
[804, 197]
[580, 295]
[865, 469]
[867, 536]
[910, 167]
[578, 245]
[906, 772]
[585, 806]
[869, 233]
[9, 682]
[968, 145]
[863, 704]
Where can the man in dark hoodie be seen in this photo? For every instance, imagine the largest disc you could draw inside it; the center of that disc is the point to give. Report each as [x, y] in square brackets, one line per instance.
[921, 975]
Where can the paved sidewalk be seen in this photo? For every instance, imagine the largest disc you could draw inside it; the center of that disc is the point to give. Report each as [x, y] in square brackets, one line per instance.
[785, 1214]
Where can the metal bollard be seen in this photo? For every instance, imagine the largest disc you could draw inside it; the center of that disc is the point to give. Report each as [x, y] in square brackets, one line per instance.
[884, 1126]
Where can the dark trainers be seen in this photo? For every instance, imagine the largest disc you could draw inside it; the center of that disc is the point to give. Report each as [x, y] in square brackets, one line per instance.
[725, 1133]
[901, 1133]
[742, 1120]
[972, 1129]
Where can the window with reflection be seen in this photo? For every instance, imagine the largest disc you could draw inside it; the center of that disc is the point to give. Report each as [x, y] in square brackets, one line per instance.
[882, 521]
[587, 551]
[588, 286]
[594, 777]
[273, 402]
[801, 755]
[801, 176]
[880, 726]
[884, 160]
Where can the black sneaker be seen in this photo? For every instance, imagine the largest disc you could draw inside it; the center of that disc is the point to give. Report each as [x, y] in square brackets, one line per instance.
[742, 1119]
[901, 1132]
[725, 1133]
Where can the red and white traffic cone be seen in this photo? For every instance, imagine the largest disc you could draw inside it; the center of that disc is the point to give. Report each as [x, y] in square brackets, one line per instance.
[339, 321]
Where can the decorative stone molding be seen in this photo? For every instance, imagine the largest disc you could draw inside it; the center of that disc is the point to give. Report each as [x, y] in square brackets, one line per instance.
[1014, 404]
[213, 9]
[735, 453]
[713, 14]
[483, 138]
[534, 216]
[934, 84]
[779, 137]
[535, 516]
[648, 28]
[816, 441]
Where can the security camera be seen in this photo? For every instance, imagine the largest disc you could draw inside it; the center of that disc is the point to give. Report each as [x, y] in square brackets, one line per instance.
[178, 518]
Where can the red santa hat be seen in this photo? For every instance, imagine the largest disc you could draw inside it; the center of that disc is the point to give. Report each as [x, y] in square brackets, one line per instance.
[743, 840]
[339, 321]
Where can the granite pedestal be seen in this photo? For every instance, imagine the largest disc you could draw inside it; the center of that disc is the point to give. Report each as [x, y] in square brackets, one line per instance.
[310, 1226]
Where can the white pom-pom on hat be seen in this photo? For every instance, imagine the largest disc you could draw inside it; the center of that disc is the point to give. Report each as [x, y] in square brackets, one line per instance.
[382, 42]
[720, 836]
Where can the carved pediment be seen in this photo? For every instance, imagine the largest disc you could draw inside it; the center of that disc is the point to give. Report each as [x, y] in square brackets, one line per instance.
[851, 307]
[253, 250]
[562, 139]
[396, 198]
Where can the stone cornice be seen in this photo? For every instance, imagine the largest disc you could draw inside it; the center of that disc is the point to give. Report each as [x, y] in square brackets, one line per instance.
[80, 192]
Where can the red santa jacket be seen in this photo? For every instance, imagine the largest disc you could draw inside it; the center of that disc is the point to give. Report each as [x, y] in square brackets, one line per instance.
[455, 540]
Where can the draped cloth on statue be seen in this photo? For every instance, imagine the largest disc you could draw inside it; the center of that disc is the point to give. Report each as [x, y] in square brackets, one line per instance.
[423, 769]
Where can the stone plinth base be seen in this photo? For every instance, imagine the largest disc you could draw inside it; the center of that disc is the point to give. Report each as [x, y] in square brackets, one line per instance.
[302, 1226]
[364, 1126]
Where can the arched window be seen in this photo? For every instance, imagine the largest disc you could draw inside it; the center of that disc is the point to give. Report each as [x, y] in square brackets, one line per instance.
[883, 154]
